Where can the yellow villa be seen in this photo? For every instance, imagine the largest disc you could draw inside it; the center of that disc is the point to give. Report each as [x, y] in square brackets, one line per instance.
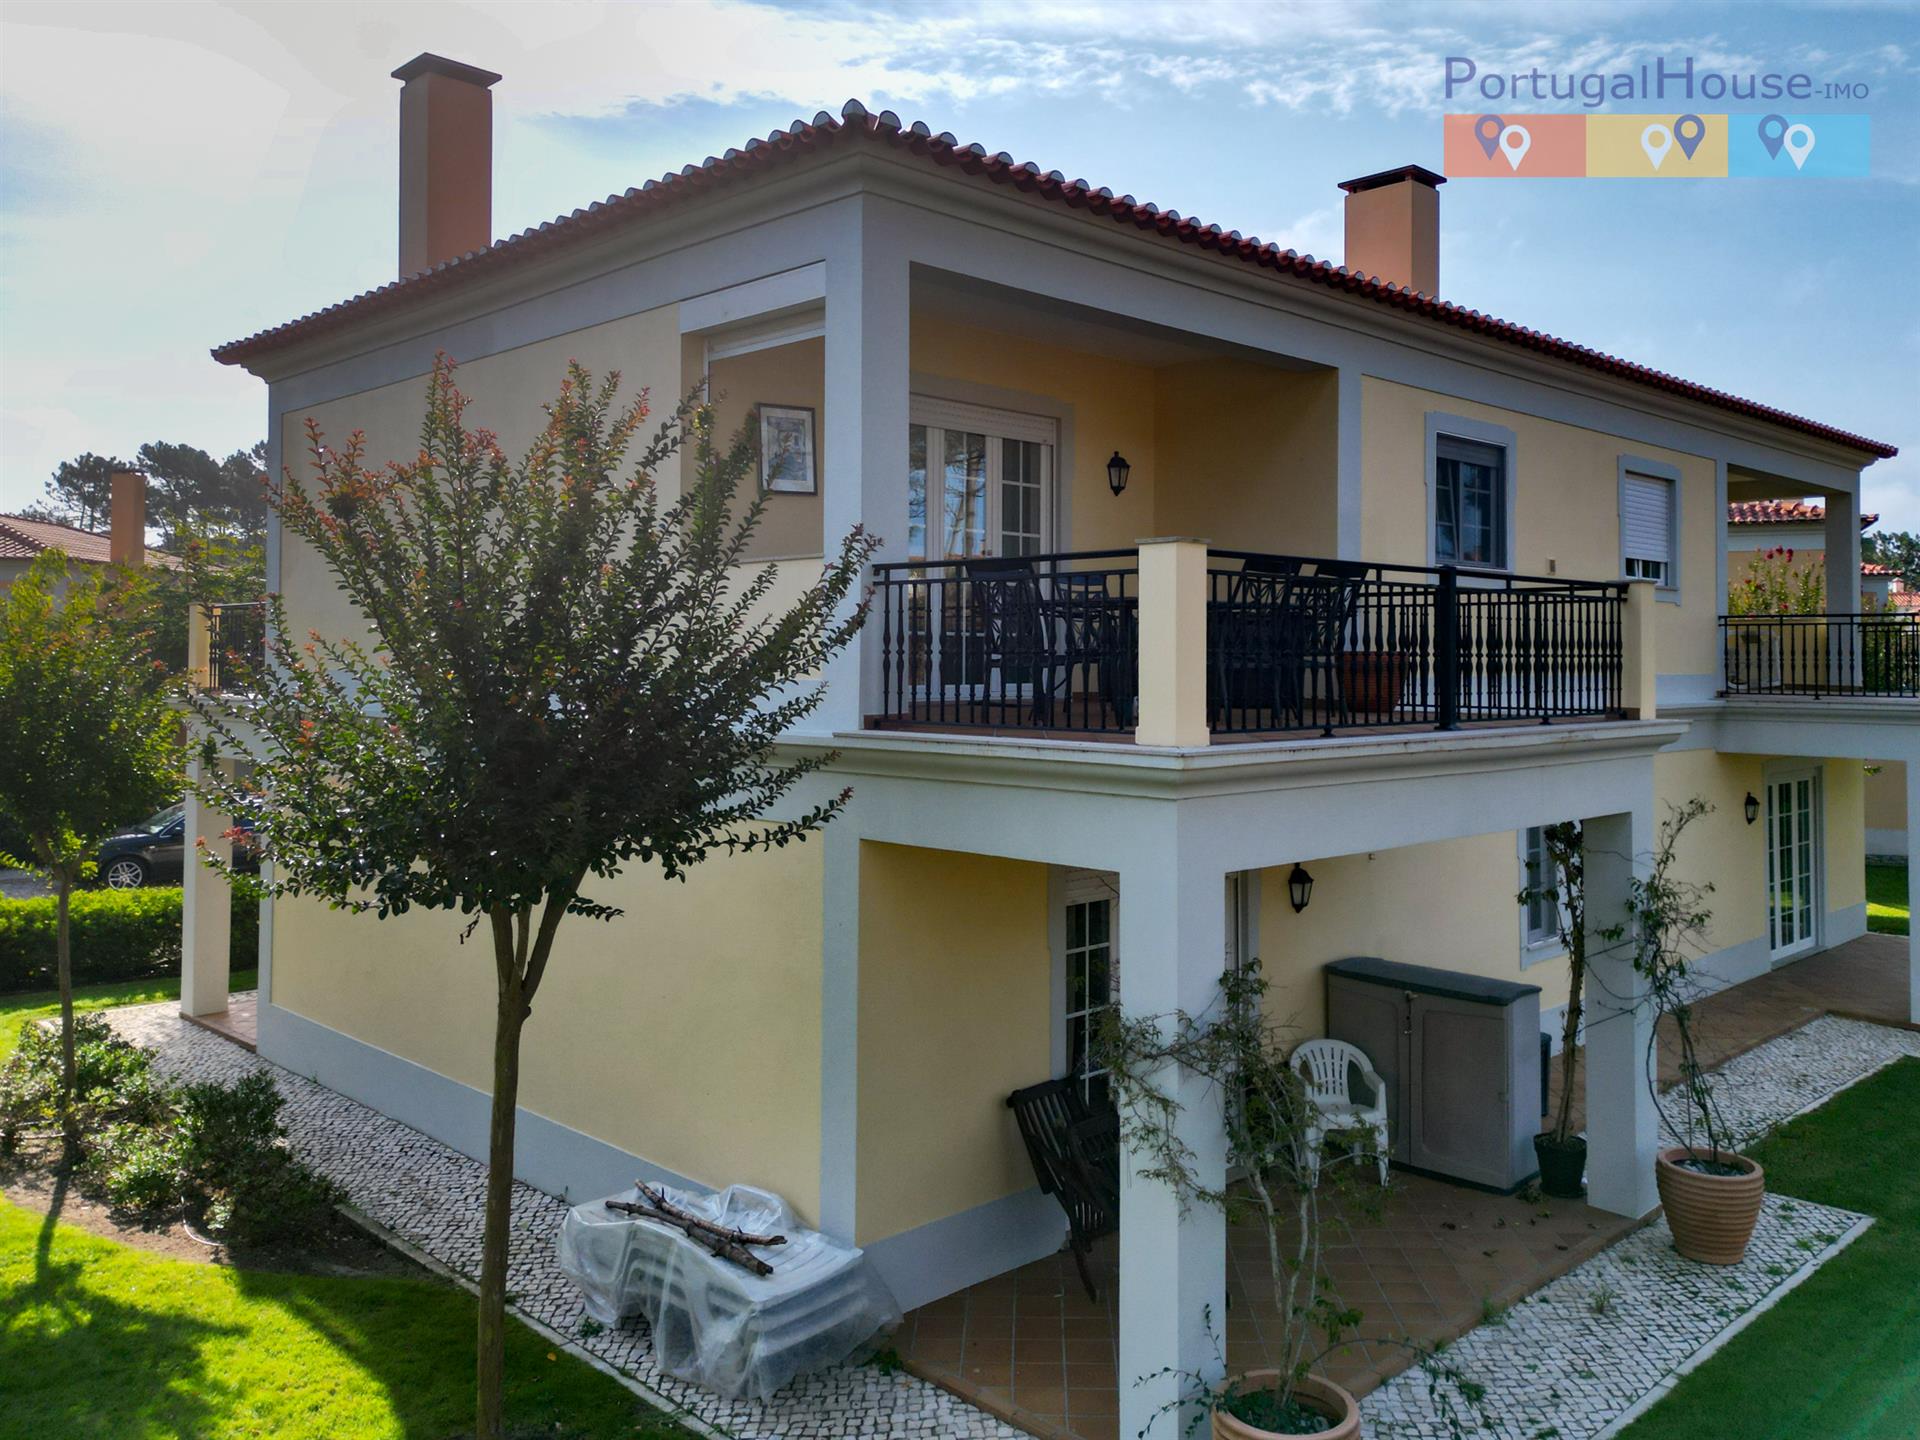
[1111, 453]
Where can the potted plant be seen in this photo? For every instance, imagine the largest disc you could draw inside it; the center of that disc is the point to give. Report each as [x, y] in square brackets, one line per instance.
[1561, 1152]
[1238, 1054]
[1373, 682]
[1711, 1193]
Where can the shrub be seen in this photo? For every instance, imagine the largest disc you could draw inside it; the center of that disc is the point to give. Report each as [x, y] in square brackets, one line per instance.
[218, 1151]
[117, 935]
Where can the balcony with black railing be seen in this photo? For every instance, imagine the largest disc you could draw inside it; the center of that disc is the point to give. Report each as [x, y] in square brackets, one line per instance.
[236, 646]
[1273, 646]
[1873, 655]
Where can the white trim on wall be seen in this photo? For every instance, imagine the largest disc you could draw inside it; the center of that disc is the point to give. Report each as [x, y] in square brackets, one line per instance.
[1438, 423]
[754, 299]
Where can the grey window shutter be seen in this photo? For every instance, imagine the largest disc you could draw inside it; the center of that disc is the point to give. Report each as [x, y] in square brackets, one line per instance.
[1646, 519]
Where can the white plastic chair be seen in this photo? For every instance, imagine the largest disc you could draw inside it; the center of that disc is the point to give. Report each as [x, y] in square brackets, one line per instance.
[1325, 1066]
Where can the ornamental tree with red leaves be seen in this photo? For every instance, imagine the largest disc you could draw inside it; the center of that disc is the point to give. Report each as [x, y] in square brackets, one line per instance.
[564, 674]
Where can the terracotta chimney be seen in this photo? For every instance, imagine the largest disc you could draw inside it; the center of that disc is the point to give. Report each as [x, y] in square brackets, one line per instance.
[446, 161]
[127, 518]
[1393, 227]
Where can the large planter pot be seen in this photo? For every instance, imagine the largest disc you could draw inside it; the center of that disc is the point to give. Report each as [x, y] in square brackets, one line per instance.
[1315, 1393]
[1711, 1216]
[1373, 682]
[1563, 1165]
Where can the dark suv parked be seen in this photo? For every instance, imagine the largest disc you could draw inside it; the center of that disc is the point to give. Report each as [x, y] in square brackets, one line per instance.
[154, 852]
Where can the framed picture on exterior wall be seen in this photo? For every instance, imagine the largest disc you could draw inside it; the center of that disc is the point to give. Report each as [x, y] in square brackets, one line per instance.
[786, 450]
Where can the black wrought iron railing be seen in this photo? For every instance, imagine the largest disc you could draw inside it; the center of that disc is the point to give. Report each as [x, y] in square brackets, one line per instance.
[1876, 654]
[236, 645]
[1042, 642]
[1294, 643]
[1298, 643]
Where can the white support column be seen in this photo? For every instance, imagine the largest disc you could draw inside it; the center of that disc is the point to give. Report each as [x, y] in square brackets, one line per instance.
[1173, 1266]
[1843, 585]
[1349, 502]
[864, 459]
[1622, 1123]
[206, 910]
[840, 1032]
[1913, 887]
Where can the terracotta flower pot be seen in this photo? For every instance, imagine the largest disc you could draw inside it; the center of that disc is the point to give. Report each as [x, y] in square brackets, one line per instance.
[1373, 682]
[1711, 1216]
[1315, 1393]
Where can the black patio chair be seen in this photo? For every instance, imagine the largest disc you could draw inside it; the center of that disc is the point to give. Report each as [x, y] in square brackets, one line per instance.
[1009, 626]
[1315, 614]
[1243, 626]
[1076, 1159]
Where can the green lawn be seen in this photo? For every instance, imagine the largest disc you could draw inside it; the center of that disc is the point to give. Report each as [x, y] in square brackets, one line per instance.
[1887, 903]
[99, 1339]
[17, 1009]
[1839, 1358]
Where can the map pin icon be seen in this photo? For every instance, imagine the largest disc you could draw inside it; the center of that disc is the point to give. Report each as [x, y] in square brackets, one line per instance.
[1688, 132]
[1656, 140]
[1799, 143]
[1515, 141]
[1773, 129]
[1487, 131]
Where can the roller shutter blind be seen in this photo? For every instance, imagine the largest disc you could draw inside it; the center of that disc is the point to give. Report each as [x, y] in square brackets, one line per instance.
[1646, 526]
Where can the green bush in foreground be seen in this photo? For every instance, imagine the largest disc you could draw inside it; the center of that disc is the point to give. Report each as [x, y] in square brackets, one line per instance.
[216, 1151]
[117, 935]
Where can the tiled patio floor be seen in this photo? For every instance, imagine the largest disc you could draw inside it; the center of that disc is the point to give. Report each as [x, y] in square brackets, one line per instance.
[1032, 1348]
[239, 1022]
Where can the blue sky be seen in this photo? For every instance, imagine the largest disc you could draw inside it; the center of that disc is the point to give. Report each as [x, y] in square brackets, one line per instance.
[175, 176]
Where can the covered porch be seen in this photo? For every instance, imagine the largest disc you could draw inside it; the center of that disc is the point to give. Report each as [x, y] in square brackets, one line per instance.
[1437, 1260]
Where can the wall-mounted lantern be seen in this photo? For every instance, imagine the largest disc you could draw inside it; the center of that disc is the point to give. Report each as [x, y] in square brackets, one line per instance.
[1752, 807]
[1299, 888]
[1117, 472]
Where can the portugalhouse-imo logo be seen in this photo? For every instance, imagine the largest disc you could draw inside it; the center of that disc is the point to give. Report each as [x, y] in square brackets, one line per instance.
[1688, 146]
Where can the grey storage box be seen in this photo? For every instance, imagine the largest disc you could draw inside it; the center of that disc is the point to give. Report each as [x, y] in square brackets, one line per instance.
[1460, 1056]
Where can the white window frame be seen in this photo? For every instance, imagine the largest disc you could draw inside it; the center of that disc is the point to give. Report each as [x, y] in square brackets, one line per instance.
[1667, 590]
[1080, 887]
[1440, 425]
[996, 424]
[1535, 945]
[1771, 777]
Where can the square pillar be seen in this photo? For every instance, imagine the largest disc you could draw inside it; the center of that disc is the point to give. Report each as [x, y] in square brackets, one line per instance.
[206, 908]
[1623, 1125]
[864, 433]
[1173, 643]
[1639, 667]
[1173, 1264]
[1843, 586]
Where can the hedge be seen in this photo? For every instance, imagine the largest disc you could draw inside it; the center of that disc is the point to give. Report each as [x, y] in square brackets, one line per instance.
[117, 935]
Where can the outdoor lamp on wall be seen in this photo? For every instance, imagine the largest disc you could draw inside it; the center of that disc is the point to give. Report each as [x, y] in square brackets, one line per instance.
[1752, 807]
[1299, 888]
[1117, 472]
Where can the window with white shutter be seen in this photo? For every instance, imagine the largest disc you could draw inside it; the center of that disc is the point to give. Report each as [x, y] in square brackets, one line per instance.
[1646, 528]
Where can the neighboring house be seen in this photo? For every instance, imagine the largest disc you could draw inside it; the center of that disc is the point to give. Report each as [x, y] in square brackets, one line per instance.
[1757, 527]
[1516, 619]
[22, 541]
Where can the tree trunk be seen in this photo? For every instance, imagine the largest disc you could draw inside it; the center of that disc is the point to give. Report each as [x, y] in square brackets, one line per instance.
[489, 1417]
[63, 967]
[1570, 1048]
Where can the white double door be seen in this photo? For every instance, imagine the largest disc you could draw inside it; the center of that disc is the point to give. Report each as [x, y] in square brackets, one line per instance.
[1793, 863]
[979, 481]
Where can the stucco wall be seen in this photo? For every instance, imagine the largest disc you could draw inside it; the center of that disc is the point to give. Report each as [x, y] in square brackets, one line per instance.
[506, 392]
[788, 375]
[956, 1013]
[1885, 800]
[1566, 510]
[687, 1031]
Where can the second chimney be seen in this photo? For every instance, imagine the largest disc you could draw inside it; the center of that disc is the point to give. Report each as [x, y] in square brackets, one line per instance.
[1393, 227]
[127, 518]
[446, 161]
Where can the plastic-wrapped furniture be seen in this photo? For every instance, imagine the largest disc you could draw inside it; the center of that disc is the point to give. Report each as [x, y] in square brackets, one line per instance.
[714, 1323]
[1327, 1066]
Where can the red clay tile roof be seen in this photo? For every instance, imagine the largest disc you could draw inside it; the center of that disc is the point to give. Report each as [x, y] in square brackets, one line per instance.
[1782, 512]
[856, 124]
[1869, 567]
[24, 539]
